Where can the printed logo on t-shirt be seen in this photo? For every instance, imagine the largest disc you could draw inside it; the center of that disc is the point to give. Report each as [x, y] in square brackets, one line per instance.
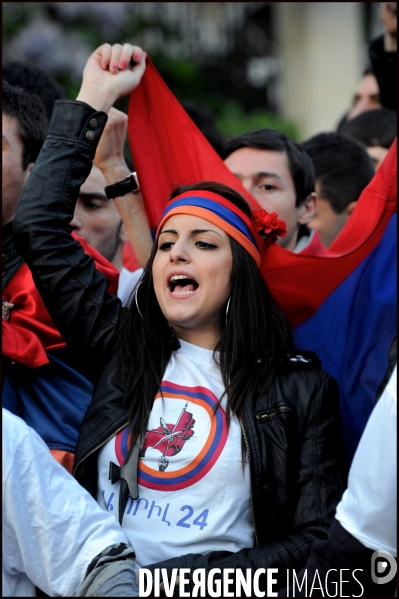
[169, 439]
[185, 445]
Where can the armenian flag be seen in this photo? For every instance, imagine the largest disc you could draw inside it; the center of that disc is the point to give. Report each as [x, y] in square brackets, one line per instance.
[341, 305]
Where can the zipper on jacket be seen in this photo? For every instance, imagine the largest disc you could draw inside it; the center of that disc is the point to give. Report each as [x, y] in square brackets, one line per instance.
[250, 480]
[267, 415]
[98, 446]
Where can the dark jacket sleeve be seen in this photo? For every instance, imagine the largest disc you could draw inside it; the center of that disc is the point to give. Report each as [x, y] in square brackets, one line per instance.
[384, 67]
[341, 563]
[321, 479]
[73, 290]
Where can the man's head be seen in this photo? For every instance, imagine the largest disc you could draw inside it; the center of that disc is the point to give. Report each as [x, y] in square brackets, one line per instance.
[343, 169]
[35, 81]
[25, 127]
[375, 129]
[278, 174]
[366, 96]
[97, 220]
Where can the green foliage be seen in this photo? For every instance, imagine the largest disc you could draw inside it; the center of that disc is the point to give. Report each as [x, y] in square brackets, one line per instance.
[181, 75]
[16, 15]
[233, 121]
[191, 80]
[70, 85]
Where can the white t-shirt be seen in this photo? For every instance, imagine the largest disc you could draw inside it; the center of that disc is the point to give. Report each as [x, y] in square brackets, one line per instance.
[194, 495]
[127, 282]
[52, 528]
[368, 507]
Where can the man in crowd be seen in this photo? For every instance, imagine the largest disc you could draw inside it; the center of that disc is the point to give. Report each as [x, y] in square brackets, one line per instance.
[343, 169]
[377, 87]
[34, 81]
[278, 173]
[41, 381]
[98, 218]
[366, 96]
[383, 53]
[23, 136]
[375, 129]
[98, 221]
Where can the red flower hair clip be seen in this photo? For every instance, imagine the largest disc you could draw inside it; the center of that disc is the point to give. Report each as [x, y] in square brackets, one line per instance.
[268, 225]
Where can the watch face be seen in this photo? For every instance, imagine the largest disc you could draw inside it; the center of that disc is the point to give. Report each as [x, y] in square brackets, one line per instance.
[136, 179]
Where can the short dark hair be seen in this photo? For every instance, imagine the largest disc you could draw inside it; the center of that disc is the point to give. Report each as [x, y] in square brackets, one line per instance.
[368, 70]
[342, 166]
[30, 113]
[300, 165]
[35, 81]
[375, 127]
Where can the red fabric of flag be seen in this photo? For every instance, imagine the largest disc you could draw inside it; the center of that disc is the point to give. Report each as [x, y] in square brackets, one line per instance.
[169, 150]
[129, 259]
[30, 330]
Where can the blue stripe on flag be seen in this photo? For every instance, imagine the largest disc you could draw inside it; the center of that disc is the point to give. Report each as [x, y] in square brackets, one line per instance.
[352, 331]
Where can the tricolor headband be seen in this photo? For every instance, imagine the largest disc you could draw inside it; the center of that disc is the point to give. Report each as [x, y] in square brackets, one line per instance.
[219, 211]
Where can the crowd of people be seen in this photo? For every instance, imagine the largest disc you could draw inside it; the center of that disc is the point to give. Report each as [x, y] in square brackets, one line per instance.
[159, 372]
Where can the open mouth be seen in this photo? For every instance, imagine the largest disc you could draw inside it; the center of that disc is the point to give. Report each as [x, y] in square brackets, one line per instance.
[182, 285]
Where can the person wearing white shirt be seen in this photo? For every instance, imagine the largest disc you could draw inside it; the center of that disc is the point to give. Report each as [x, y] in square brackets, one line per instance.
[52, 529]
[366, 518]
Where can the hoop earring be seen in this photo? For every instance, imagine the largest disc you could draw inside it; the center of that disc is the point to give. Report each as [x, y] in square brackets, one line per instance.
[135, 299]
[227, 308]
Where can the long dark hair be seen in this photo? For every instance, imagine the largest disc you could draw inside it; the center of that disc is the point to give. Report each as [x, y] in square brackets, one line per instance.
[254, 336]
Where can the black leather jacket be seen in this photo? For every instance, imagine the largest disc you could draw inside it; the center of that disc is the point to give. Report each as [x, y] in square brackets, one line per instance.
[292, 433]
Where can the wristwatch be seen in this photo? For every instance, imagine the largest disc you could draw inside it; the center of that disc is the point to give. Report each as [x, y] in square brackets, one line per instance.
[129, 185]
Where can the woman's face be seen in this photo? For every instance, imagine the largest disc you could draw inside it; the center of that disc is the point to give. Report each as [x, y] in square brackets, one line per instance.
[191, 273]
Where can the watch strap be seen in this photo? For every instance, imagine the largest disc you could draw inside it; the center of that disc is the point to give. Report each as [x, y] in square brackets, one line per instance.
[128, 185]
